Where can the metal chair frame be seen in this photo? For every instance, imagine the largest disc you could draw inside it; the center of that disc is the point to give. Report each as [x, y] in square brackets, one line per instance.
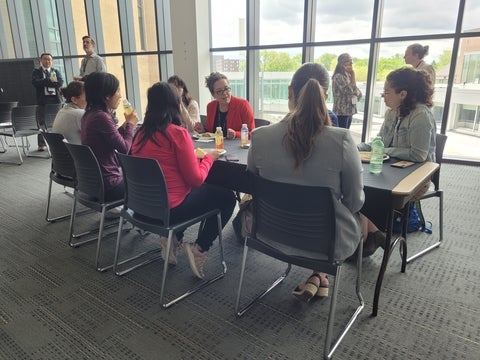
[5, 121]
[435, 192]
[296, 224]
[147, 207]
[24, 124]
[89, 191]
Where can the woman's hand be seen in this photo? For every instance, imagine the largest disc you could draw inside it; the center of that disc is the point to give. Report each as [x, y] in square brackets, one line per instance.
[230, 134]
[200, 153]
[199, 127]
[131, 118]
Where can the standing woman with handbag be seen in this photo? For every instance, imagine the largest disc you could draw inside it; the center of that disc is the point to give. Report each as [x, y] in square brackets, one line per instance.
[345, 91]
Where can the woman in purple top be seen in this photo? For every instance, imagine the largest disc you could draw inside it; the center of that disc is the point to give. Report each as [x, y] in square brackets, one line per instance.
[100, 132]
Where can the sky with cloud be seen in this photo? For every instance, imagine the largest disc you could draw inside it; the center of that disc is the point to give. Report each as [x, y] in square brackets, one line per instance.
[282, 20]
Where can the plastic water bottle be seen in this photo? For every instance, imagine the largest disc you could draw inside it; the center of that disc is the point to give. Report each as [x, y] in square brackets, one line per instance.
[219, 138]
[127, 107]
[244, 136]
[53, 76]
[376, 156]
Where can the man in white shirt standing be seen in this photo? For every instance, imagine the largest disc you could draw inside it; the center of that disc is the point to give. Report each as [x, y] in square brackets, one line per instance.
[92, 62]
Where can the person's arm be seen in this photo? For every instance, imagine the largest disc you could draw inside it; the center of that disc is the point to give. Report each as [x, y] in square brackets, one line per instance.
[352, 178]
[38, 80]
[243, 114]
[415, 134]
[120, 138]
[193, 171]
[194, 111]
[187, 121]
[342, 85]
[100, 64]
[59, 82]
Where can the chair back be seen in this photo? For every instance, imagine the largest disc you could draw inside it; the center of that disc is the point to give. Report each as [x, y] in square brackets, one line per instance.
[88, 173]
[6, 111]
[145, 188]
[261, 122]
[62, 161]
[298, 216]
[24, 118]
[439, 147]
[50, 113]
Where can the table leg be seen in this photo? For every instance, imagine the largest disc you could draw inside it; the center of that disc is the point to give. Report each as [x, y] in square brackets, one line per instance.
[389, 246]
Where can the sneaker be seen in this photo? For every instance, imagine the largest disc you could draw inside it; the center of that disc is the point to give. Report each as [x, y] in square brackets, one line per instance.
[114, 213]
[196, 258]
[41, 148]
[174, 248]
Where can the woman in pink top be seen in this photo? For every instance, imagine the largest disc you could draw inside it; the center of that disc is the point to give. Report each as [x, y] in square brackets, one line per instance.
[163, 138]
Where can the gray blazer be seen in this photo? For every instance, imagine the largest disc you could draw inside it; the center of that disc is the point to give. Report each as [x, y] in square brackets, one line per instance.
[412, 138]
[335, 163]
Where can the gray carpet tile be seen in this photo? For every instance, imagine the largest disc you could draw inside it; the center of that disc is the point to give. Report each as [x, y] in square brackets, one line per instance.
[55, 305]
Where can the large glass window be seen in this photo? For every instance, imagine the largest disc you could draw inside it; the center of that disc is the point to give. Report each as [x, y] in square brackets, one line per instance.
[276, 68]
[110, 26]
[228, 19]
[148, 74]
[232, 65]
[79, 25]
[413, 17]
[281, 22]
[471, 16]
[343, 20]
[6, 28]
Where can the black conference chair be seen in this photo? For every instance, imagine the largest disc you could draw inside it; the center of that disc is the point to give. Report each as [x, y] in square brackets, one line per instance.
[147, 207]
[296, 224]
[24, 124]
[50, 112]
[62, 171]
[261, 122]
[90, 192]
[5, 120]
[431, 193]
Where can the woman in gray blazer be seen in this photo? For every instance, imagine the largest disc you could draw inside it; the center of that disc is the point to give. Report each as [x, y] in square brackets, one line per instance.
[305, 149]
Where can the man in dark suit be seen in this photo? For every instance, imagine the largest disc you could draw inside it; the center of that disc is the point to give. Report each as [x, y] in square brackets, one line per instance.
[47, 82]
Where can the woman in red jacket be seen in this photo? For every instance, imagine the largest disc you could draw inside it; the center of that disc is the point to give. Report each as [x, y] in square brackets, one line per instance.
[162, 137]
[226, 111]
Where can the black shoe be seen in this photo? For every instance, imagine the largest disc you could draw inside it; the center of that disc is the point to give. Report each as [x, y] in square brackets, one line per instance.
[374, 241]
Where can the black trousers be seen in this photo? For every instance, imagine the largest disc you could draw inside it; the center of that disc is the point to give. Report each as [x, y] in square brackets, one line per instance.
[204, 198]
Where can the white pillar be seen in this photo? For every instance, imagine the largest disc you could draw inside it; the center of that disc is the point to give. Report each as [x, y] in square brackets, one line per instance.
[190, 43]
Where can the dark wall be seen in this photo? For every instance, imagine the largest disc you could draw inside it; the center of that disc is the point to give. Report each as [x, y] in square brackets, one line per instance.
[16, 81]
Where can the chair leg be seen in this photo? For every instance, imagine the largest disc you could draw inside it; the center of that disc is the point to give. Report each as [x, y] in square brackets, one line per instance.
[438, 243]
[330, 348]
[47, 212]
[117, 263]
[18, 150]
[239, 312]
[204, 283]
[99, 242]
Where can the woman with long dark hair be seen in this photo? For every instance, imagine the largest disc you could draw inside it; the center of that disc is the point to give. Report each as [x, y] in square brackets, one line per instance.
[189, 111]
[100, 132]
[163, 138]
[346, 94]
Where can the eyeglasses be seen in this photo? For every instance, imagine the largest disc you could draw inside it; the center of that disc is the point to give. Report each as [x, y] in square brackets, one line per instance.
[220, 92]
